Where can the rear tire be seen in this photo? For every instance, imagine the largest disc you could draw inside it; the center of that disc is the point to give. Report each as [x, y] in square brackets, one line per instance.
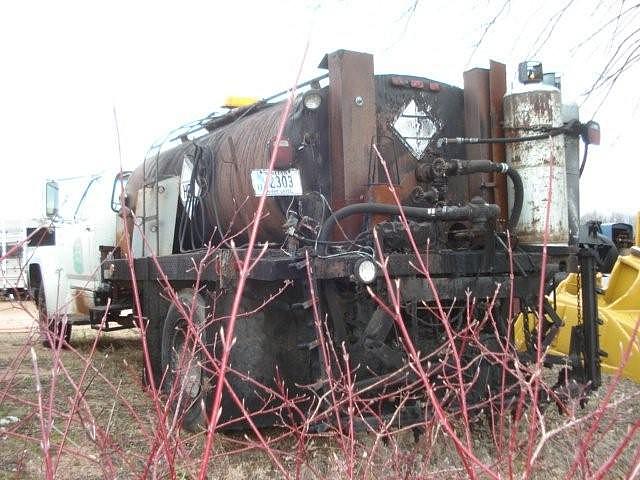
[266, 347]
[52, 328]
[488, 373]
[155, 307]
[186, 367]
[267, 339]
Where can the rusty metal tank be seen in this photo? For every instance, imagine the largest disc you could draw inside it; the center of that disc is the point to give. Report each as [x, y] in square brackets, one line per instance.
[528, 111]
[231, 151]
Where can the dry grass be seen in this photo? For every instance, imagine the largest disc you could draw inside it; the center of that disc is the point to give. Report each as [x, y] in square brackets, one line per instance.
[118, 357]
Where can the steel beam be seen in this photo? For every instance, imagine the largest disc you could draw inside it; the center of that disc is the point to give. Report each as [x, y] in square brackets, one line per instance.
[352, 123]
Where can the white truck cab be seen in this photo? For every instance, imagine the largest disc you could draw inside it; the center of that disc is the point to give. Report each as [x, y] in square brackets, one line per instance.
[64, 265]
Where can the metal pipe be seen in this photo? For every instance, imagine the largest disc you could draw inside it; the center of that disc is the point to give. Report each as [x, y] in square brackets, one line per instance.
[470, 167]
[468, 212]
[573, 127]
[572, 155]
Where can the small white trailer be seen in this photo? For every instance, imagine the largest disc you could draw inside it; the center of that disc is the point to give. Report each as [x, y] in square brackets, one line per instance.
[12, 266]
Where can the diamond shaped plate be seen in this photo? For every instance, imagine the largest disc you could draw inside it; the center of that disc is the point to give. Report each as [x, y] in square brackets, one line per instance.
[416, 128]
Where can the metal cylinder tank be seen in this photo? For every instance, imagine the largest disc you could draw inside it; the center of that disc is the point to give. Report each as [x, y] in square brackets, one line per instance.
[539, 162]
[236, 148]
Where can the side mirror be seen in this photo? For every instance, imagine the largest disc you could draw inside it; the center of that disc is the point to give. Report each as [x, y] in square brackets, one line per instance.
[51, 199]
[119, 183]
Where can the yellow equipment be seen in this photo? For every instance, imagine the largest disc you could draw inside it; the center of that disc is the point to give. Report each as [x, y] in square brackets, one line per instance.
[618, 309]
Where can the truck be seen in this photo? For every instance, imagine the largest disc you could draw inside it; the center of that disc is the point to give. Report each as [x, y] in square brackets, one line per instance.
[64, 255]
[370, 189]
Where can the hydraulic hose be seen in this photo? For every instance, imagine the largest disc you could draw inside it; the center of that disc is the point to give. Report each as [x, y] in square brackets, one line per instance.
[467, 167]
[468, 212]
[573, 128]
[425, 172]
[502, 140]
[518, 197]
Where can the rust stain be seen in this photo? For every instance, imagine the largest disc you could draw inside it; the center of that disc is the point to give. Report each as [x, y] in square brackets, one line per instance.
[381, 193]
[121, 232]
[81, 302]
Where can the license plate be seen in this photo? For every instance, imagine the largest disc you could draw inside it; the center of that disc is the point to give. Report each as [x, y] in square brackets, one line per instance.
[283, 183]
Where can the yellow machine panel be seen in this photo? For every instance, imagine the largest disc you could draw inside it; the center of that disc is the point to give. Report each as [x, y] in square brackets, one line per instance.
[618, 310]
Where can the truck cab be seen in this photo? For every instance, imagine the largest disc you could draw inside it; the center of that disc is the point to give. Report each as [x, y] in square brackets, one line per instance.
[64, 250]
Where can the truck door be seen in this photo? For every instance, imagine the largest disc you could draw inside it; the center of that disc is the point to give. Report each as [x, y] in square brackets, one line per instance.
[93, 225]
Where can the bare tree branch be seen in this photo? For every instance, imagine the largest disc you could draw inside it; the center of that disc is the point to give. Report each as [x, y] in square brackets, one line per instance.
[546, 33]
[604, 26]
[487, 28]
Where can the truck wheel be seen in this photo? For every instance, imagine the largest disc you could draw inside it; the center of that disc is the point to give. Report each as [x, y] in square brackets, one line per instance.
[155, 307]
[51, 327]
[184, 364]
[267, 339]
[266, 347]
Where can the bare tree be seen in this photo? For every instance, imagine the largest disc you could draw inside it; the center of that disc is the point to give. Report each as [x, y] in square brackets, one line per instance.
[612, 24]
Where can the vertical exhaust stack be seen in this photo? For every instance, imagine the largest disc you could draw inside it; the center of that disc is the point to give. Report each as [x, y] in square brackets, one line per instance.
[532, 108]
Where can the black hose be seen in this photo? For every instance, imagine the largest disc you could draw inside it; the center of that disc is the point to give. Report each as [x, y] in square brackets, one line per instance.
[468, 167]
[584, 159]
[518, 197]
[500, 140]
[468, 212]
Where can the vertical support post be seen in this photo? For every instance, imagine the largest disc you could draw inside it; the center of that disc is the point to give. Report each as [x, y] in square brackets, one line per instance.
[477, 124]
[352, 124]
[483, 93]
[497, 90]
[591, 340]
[572, 156]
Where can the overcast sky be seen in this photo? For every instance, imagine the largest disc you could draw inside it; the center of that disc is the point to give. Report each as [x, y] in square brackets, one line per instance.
[66, 65]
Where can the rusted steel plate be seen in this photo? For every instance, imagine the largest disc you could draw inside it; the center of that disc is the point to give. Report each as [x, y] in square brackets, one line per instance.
[477, 124]
[497, 89]
[352, 123]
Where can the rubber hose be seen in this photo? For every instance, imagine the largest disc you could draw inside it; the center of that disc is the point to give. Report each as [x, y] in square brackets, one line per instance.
[468, 167]
[518, 197]
[468, 212]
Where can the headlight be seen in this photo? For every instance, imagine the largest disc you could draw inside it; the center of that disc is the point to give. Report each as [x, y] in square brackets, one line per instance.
[366, 271]
[312, 99]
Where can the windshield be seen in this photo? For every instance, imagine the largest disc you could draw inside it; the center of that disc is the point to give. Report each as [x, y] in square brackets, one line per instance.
[71, 192]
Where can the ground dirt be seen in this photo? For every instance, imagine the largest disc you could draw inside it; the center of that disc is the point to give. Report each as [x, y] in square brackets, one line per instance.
[112, 434]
